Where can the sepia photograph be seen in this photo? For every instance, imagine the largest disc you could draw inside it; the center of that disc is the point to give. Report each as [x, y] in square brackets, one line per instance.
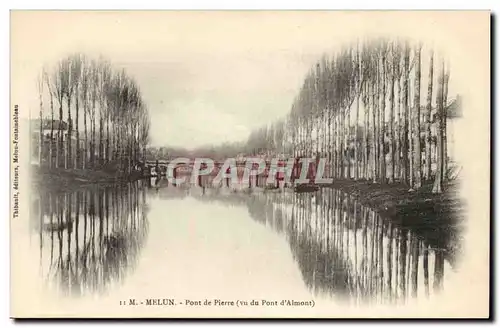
[250, 164]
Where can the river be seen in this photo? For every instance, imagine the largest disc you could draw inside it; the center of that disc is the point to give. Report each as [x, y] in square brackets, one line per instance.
[188, 244]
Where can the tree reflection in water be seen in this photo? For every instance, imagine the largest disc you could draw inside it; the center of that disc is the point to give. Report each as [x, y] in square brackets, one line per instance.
[344, 249]
[348, 251]
[90, 239]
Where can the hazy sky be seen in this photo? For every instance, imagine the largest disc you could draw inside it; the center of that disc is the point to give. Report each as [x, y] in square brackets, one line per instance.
[207, 77]
[204, 98]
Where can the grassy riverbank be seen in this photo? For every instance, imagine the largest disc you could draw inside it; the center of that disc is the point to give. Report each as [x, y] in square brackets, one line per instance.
[437, 218]
[396, 200]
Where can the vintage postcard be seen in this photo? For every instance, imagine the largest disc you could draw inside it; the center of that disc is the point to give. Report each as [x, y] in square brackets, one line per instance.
[250, 164]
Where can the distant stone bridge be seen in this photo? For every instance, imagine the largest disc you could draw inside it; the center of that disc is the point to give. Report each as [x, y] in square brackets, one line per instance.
[183, 168]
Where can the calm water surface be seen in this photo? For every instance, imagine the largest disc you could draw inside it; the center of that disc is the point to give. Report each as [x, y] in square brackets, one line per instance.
[194, 243]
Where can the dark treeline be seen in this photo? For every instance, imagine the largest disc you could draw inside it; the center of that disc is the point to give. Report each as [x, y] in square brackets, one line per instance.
[367, 111]
[91, 116]
[90, 239]
[269, 140]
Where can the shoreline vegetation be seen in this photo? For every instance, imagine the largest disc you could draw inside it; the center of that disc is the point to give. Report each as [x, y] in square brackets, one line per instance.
[93, 124]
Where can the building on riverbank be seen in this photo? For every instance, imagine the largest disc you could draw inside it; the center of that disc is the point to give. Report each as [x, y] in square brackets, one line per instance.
[54, 134]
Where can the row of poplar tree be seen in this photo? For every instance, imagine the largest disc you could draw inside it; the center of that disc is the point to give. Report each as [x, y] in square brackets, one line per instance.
[362, 110]
[100, 107]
